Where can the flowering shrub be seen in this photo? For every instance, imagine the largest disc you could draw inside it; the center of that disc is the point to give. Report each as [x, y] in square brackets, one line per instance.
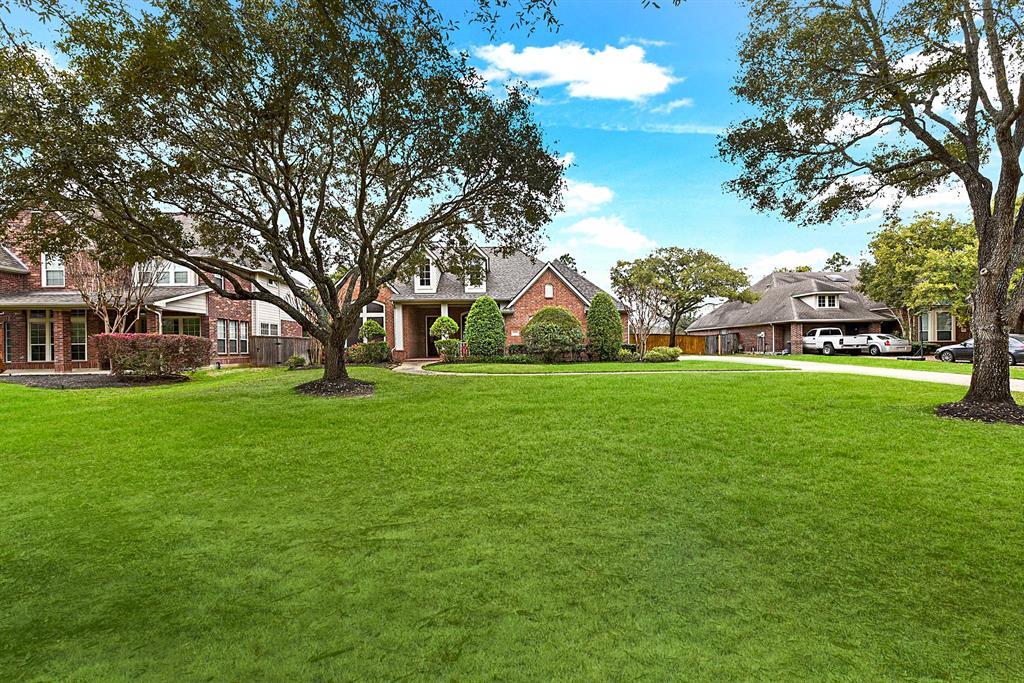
[154, 355]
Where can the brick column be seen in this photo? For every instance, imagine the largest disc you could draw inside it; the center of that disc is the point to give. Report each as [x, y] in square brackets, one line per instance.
[875, 328]
[796, 338]
[152, 323]
[62, 341]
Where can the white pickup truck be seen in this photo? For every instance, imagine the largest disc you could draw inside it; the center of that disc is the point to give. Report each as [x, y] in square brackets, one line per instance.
[831, 340]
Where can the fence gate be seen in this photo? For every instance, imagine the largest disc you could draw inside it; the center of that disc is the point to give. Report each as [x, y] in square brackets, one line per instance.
[270, 351]
[722, 344]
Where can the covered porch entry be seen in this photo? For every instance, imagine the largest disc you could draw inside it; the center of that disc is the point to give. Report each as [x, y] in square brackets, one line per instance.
[414, 321]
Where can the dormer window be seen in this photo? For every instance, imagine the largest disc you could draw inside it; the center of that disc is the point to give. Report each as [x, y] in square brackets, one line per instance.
[476, 276]
[423, 275]
[828, 301]
[53, 271]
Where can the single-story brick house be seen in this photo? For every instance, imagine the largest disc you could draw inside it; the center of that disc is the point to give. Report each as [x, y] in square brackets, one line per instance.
[792, 303]
[46, 325]
[520, 284]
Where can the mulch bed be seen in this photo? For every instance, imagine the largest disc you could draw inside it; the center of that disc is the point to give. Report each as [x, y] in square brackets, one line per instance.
[991, 413]
[87, 381]
[346, 388]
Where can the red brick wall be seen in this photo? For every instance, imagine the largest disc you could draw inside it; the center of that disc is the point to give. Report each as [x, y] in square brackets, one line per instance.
[219, 308]
[12, 282]
[533, 300]
[19, 342]
[290, 328]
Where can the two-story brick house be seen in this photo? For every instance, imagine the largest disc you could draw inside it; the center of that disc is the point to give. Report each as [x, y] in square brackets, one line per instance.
[520, 284]
[46, 325]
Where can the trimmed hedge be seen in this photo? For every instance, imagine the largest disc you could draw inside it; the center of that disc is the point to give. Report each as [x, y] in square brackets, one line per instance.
[448, 348]
[369, 353]
[372, 330]
[663, 354]
[154, 355]
[555, 315]
[552, 333]
[485, 328]
[604, 327]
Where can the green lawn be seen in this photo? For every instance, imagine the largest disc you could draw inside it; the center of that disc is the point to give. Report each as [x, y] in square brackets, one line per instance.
[528, 368]
[714, 526]
[926, 365]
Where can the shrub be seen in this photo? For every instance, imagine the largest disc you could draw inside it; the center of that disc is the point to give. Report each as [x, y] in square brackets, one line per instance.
[485, 328]
[516, 349]
[372, 331]
[663, 354]
[369, 353]
[295, 362]
[556, 315]
[449, 349]
[604, 327]
[627, 356]
[630, 347]
[443, 328]
[154, 355]
[551, 341]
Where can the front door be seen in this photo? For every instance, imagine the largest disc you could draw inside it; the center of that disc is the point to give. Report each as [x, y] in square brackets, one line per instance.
[431, 348]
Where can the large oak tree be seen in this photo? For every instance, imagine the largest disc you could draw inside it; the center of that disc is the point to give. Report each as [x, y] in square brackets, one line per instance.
[316, 135]
[861, 101]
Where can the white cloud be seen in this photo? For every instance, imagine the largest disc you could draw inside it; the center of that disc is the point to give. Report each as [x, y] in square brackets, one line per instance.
[670, 107]
[610, 73]
[646, 42]
[608, 232]
[790, 258]
[580, 197]
[667, 128]
[568, 160]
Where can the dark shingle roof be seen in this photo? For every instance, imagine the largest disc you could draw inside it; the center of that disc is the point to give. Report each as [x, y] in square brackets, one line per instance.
[43, 298]
[11, 263]
[779, 302]
[507, 274]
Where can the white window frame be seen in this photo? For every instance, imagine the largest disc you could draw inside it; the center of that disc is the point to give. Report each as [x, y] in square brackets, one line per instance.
[428, 269]
[52, 264]
[270, 330]
[828, 301]
[222, 336]
[180, 324]
[380, 316]
[482, 285]
[47, 323]
[232, 337]
[243, 337]
[81, 318]
[549, 290]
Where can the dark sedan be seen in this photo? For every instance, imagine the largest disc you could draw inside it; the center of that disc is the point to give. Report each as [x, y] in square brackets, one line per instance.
[965, 351]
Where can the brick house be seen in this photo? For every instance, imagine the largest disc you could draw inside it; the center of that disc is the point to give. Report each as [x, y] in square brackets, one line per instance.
[45, 324]
[520, 284]
[792, 303]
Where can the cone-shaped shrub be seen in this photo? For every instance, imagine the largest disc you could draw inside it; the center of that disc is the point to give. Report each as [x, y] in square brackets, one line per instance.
[604, 327]
[485, 328]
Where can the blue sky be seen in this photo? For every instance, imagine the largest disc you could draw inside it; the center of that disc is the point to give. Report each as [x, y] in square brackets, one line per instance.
[636, 97]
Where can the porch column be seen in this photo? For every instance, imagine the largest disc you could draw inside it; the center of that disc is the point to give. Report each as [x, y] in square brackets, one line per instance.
[62, 341]
[796, 338]
[399, 328]
[444, 310]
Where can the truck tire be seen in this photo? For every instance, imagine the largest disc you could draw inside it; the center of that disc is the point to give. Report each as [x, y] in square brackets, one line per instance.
[874, 350]
[828, 349]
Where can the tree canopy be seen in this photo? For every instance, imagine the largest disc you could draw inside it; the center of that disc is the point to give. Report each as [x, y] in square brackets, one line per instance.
[309, 135]
[864, 101]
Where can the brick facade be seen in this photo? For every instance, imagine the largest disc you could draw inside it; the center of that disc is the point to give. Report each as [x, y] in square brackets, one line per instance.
[533, 299]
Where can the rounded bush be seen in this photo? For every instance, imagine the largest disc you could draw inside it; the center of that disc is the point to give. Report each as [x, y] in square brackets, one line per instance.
[555, 315]
[443, 328]
[627, 356]
[372, 330]
[295, 362]
[604, 327]
[369, 353]
[449, 349]
[552, 340]
[485, 328]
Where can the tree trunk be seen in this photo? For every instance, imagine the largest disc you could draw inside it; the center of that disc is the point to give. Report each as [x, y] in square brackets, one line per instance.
[990, 380]
[673, 323]
[334, 356]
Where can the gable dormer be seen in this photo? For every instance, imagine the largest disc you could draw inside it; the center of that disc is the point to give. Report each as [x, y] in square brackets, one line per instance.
[426, 277]
[475, 280]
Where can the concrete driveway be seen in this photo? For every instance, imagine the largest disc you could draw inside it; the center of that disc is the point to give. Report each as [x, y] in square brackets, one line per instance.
[1016, 385]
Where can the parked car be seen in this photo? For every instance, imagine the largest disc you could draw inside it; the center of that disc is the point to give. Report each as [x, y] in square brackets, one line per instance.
[880, 344]
[965, 351]
[830, 340]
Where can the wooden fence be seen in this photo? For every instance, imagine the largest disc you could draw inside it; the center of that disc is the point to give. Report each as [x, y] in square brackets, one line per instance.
[690, 344]
[270, 351]
[721, 344]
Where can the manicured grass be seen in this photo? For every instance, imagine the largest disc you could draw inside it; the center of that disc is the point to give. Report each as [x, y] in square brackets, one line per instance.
[553, 368]
[716, 526]
[873, 361]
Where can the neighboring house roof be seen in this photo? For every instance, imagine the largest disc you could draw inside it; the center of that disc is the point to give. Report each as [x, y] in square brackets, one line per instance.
[508, 273]
[162, 295]
[780, 302]
[11, 263]
[43, 298]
